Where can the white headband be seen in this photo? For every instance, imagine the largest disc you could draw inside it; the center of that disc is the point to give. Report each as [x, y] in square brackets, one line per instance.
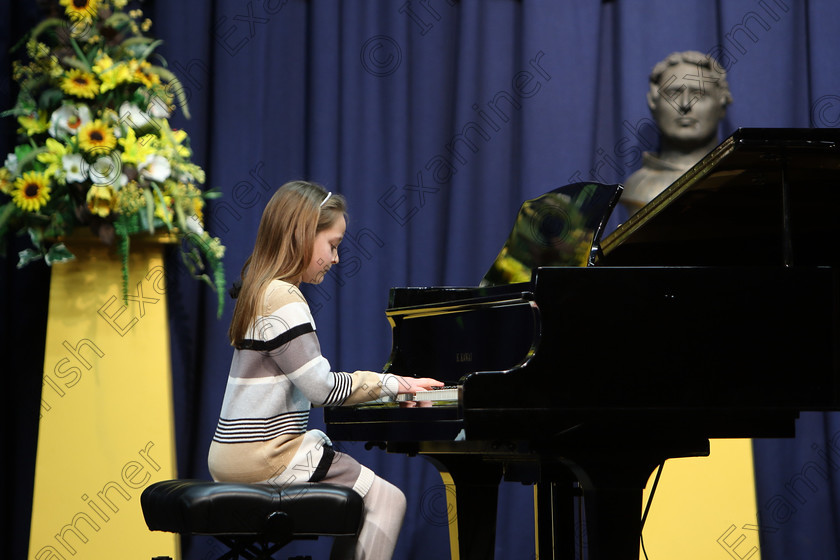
[329, 194]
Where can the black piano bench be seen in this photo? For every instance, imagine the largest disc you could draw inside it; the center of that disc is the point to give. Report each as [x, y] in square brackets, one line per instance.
[252, 520]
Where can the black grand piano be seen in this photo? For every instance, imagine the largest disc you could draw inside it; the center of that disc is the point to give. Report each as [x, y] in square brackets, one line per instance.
[580, 364]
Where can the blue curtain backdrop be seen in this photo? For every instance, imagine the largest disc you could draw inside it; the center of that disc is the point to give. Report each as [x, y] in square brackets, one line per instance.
[435, 118]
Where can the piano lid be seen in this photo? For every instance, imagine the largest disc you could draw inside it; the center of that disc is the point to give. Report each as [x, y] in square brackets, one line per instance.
[762, 197]
[559, 228]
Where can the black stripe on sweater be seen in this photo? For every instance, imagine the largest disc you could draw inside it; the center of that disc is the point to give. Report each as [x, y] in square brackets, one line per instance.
[278, 341]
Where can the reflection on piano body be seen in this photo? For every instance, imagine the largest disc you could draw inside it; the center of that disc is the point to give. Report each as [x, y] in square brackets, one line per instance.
[582, 363]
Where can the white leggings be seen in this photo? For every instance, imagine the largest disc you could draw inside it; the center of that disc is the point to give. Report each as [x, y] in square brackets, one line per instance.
[384, 512]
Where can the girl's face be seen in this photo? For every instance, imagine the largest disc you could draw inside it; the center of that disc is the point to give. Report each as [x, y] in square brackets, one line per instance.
[325, 252]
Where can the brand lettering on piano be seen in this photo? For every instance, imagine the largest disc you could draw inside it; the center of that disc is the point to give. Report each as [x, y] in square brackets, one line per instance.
[463, 357]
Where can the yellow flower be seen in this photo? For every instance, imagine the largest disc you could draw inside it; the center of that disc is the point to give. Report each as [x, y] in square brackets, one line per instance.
[96, 136]
[171, 143]
[111, 74]
[84, 9]
[163, 211]
[33, 124]
[141, 72]
[37, 49]
[134, 150]
[102, 64]
[5, 181]
[31, 191]
[198, 209]
[100, 200]
[80, 84]
[191, 201]
[52, 157]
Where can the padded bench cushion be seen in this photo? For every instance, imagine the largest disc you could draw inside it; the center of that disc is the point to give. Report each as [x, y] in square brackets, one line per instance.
[218, 508]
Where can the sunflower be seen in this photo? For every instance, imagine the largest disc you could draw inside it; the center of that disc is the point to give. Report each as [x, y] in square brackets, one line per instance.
[96, 136]
[80, 84]
[141, 72]
[80, 9]
[31, 191]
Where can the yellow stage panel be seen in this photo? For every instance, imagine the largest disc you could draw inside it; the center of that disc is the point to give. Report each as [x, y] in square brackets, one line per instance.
[106, 428]
[705, 507]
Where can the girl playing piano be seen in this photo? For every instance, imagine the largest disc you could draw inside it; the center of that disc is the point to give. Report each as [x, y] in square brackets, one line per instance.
[278, 372]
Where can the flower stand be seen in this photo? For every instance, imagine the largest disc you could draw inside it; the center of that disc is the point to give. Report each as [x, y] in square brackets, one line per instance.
[106, 424]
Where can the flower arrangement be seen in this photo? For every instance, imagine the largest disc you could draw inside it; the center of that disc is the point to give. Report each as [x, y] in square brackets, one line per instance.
[96, 148]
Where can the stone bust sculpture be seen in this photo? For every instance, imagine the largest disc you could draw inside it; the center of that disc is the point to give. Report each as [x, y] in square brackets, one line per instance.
[688, 97]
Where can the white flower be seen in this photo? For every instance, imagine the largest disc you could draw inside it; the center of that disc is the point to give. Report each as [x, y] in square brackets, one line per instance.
[68, 119]
[158, 107]
[185, 177]
[193, 225]
[75, 168]
[106, 170]
[133, 116]
[155, 168]
[11, 163]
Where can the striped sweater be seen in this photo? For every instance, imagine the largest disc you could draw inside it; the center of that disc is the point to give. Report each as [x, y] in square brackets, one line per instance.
[276, 376]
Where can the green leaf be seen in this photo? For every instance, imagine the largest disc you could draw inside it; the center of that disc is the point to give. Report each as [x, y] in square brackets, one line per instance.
[50, 98]
[212, 194]
[179, 213]
[131, 42]
[175, 86]
[28, 156]
[78, 64]
[148, 50]
[58, 253]
[21, 151]
[43, 26]
[117, 19]
[123, 228]
[164, 213]
[27, 256]
[80, 54]
[6, 213]
[150, 209]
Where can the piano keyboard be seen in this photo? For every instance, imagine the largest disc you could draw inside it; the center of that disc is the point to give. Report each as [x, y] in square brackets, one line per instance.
[448, 393]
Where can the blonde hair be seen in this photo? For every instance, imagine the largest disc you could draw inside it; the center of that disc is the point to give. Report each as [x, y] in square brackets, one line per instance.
[284, 245]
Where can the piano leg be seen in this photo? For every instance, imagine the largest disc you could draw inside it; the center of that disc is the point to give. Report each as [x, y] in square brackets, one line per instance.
[613, 487]
[555, 515]
[472, 492]
[613, 523]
